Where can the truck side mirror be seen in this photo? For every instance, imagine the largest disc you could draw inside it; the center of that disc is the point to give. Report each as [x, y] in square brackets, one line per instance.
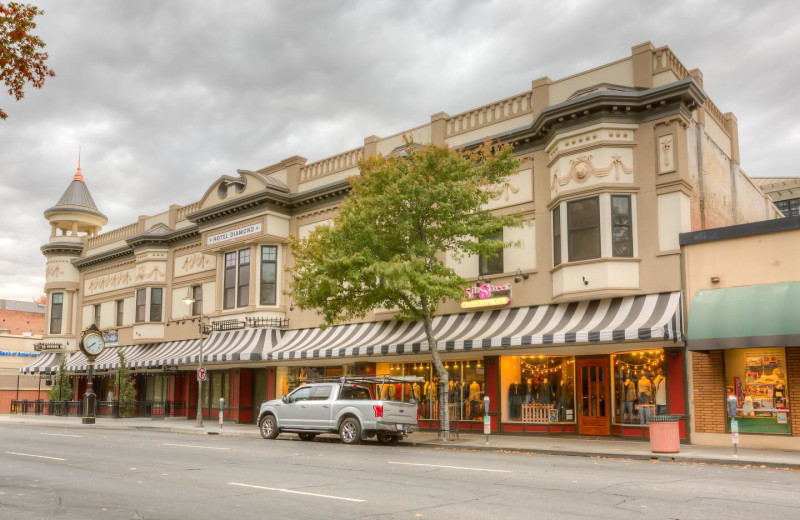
[285, 399]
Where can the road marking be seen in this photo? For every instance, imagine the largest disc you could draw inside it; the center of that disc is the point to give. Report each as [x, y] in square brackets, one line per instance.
[195, 446]
[296, 492]
[29, 455]
[452, 467]
[63, 435]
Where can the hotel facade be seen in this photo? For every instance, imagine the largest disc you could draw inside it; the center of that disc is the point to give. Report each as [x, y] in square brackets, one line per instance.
[615, 163]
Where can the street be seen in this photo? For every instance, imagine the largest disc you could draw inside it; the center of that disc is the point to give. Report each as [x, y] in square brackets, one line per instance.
[50, 472]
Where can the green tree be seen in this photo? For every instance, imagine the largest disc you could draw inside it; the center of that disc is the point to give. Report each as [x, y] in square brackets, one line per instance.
[125, 387]
[21, 58]
[387, 246]
[62, 389]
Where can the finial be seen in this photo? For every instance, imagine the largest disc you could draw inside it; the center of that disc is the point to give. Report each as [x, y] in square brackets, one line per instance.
[78, 174]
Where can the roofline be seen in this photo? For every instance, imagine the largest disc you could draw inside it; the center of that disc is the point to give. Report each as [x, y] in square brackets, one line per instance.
[762, 227]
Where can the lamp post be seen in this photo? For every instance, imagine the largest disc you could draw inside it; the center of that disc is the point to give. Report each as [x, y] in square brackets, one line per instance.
[189, 300]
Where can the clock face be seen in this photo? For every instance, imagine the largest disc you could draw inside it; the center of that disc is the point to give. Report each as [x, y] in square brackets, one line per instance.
[93, 344]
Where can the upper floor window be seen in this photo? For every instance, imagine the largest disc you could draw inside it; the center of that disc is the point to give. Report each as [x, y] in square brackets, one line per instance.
[556, 236]
[621, 226]
[56, 311]
[197, 295]
[236, 288]
[97, 315]
[141, 304]
[583, 229]
[120, 312]
[789, 208]
[269, 275]
[156, 298]
[492, 264]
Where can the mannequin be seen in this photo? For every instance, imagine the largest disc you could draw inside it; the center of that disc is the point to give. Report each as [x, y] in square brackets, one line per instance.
[474, 398]
[645, 398]
[546, 392]
[629, 396]
[748, 410]
[515, 400]
[415, 391]
[529, 397]
[660, 384]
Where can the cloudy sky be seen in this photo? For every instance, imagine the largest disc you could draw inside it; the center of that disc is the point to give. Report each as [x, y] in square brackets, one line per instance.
[165, 96]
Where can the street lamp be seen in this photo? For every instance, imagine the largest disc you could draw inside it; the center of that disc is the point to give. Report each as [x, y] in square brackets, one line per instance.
[189, 300]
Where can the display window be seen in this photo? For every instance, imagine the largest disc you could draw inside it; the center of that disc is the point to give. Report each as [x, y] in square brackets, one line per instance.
[757, 390]
[538, 389]
[465, 390]
[640, 386]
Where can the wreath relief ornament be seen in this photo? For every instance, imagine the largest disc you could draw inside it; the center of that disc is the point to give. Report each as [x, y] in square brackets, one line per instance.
[582, 168]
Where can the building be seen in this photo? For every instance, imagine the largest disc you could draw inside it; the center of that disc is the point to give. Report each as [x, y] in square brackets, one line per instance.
[615, 163]
[21, 326]
[743, 332]
[784, 192]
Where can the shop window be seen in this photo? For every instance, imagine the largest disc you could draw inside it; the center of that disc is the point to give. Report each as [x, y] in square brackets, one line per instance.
[538, 389]
[120, 312]
[492, 264]
[197, 304]
[56, 310]
[640, 386]
[621, 226]
[556, 236]
[236, 279]
[583, 224]
[220, 387]
[269, 275]
[756, 380]
[466, 389]
[156, 297]
[141, 304]
[97, 315]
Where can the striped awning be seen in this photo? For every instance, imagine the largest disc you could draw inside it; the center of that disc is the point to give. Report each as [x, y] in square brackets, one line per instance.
[46, 363]
[236, 345]
[614, 320]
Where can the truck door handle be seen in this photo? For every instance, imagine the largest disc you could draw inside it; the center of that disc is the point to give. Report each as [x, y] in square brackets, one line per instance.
[325, 406]
[302, 406]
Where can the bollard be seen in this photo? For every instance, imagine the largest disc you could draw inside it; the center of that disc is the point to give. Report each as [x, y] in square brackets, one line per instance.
[221, 410]
[487, 423]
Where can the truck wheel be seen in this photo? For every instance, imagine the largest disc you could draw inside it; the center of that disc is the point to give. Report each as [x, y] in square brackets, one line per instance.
[268, 427]
[389, 440]
[350, 431]
[307, 436]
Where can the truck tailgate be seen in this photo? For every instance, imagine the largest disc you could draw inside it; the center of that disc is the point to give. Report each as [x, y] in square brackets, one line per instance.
[395, 412]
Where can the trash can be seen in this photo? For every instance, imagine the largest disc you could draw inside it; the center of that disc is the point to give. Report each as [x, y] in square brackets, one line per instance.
[665, 436]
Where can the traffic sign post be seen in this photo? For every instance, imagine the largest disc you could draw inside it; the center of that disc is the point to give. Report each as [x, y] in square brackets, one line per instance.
[201, 374]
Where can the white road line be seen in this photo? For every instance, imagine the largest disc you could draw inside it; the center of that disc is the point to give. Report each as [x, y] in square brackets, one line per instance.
[451, 467]
[296, 492]
[63, 435]
[37, 456]
[195, 446]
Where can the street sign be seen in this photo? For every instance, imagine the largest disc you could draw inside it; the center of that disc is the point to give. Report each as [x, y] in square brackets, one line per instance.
[201, 374]
[735, 437]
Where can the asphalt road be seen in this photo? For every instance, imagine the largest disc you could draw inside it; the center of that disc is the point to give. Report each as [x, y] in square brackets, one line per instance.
[50, 472]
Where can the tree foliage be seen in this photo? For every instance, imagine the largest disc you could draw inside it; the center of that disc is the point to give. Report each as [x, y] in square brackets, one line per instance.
[21, 57]
[126, 390]
[388, 244]
[62, 387]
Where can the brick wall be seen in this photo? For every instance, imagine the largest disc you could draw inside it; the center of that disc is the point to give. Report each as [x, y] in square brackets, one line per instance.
[18, 322]
[793, 387]
[708, 377]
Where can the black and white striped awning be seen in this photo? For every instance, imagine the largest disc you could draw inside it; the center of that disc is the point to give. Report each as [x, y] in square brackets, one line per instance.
[46, 364]
[237, 345]
[614, 320]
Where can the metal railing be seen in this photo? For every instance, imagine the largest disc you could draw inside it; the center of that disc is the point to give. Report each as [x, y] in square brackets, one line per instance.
[104, 408]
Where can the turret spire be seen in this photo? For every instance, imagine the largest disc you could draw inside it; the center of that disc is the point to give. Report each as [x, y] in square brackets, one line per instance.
[78, 174]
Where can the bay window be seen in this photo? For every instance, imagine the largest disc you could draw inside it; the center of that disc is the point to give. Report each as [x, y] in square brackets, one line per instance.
[269, 275]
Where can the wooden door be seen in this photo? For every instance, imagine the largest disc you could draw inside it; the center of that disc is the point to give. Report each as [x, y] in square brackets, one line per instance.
[594, 410]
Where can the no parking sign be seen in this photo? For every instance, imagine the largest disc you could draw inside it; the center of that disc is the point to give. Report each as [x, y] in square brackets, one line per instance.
[201, 374]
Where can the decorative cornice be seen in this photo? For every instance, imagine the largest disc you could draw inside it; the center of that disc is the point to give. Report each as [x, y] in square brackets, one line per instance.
[105, 256]
[62, 248]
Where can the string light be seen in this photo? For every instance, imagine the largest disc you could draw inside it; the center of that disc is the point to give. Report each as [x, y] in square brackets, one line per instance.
[545, 368]
[647, 362]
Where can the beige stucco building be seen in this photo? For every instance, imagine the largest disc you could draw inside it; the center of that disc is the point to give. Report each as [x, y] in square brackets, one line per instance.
[615, 163]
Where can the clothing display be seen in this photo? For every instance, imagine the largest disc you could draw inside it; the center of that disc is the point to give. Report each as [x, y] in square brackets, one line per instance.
[645, 387]
[660, 384]
[515, 397]
[546, 392]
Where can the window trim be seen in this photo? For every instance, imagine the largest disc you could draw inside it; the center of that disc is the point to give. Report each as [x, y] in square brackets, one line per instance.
[243, 277]
[557, 239]
[597, 235]
[629, 225]
[264, 287]
[156, 313]
[486, 265]
[197, 296]
[98, 314]
[141, 306]
[229, 289]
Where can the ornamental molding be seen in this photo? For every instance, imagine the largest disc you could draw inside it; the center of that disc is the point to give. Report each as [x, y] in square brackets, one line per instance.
[109, 282]
[53, 271]
[503, 190]
[582, 168]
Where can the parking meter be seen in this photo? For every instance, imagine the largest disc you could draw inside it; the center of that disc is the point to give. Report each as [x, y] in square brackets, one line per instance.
[487, 423]
[221, 410]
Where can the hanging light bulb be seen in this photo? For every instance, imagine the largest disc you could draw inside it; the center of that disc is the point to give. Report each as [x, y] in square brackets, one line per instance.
[447, 365]
[468, 364]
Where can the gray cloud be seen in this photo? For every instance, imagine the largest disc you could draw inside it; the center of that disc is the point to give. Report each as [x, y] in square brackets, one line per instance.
[164, 97]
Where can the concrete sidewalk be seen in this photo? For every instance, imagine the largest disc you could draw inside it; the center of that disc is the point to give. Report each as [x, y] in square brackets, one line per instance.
[565, 445]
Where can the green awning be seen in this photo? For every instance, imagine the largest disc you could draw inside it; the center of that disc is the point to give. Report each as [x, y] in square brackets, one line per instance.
[745, 317]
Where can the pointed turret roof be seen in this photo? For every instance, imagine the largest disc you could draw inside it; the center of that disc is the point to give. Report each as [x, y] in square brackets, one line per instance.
[76, 198]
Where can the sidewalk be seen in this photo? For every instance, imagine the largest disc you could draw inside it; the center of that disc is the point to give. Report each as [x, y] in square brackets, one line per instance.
[571, 446]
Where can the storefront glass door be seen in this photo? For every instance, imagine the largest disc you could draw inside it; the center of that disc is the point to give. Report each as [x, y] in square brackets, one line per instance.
[593, 409]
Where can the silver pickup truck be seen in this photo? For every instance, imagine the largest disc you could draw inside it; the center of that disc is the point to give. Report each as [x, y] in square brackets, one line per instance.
[344, 406]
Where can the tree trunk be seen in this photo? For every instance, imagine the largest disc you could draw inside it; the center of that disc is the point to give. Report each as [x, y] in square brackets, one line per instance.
[443, 388]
